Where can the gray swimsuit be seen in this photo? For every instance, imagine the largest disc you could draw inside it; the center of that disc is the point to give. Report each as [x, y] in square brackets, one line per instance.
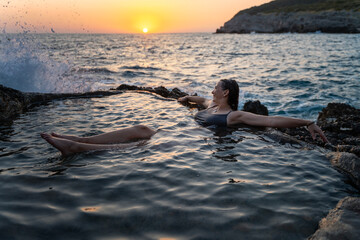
[205, 118]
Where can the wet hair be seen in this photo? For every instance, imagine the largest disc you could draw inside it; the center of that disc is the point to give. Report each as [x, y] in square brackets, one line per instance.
[233, 87]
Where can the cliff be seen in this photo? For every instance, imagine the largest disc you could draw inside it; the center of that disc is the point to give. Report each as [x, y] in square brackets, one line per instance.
[328, 16]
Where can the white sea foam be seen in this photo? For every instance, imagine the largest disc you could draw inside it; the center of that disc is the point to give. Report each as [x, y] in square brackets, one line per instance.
[25, 65]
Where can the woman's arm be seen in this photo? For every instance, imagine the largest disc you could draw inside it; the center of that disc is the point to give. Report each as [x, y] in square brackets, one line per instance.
[196, 99]
[240, 117]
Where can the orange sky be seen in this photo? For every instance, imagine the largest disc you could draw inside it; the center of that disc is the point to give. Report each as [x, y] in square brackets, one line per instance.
[119, 16]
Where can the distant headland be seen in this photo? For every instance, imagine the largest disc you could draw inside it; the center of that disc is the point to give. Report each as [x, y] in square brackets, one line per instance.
[300, 16]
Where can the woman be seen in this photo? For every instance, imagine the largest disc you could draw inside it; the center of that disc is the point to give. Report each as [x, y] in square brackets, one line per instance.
[119, 139]
[222, 111]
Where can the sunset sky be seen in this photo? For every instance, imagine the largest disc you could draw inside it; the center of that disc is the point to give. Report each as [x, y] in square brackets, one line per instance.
[119, 16]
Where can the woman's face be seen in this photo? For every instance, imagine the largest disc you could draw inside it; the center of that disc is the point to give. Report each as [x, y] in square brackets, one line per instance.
[218, 92]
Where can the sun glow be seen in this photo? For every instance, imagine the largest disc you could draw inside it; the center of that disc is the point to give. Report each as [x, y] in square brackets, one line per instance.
[126, 16]
[145, 30]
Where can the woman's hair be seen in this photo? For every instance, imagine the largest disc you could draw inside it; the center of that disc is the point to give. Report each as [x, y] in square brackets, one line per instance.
[233, 87]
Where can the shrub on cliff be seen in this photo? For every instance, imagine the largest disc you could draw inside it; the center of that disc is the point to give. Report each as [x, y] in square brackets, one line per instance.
[303, 5]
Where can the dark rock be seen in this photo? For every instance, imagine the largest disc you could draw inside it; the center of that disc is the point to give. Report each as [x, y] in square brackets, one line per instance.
[255, 107]
[12, 103]
[341, 223]
[302, 134]
[349, 148]
[128, 87]
[340, 118]
[347, 163]
[162, 91]
[340, 123]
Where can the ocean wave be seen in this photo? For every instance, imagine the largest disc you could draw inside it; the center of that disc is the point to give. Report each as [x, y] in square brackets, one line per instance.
[239, 54]
[92, 70]
[26, 66]
[137, 67]
[132, 74]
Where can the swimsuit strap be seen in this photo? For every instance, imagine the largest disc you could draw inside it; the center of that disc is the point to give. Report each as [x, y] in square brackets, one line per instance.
[229, 112]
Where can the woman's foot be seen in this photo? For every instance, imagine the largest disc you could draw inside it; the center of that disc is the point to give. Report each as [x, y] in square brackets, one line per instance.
[68, 137]
[65, 146]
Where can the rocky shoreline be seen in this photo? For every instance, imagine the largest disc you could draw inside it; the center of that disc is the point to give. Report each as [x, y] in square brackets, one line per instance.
[294, 22]
[340, 122]
[342, 222]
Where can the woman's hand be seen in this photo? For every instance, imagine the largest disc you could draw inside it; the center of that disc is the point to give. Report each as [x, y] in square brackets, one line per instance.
[314, 129]
[183, 99]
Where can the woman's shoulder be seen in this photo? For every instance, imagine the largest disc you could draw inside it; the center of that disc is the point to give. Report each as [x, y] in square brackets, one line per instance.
[234, 117]
[236, 113]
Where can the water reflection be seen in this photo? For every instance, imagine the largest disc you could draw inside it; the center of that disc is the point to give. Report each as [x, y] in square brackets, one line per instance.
[183, 175]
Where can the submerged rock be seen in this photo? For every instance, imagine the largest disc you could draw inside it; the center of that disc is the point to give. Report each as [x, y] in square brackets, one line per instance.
[341, 223]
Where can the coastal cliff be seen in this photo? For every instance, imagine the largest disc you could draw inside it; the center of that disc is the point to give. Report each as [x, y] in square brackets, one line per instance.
[280, 16]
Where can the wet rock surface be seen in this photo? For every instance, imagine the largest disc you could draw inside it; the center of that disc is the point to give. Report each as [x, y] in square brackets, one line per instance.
[347, 163]
[341, 125]
[12, 103]
[341, 223]
[162, 91]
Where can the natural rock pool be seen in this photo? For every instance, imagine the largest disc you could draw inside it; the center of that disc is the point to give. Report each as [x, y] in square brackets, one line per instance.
[187, 182]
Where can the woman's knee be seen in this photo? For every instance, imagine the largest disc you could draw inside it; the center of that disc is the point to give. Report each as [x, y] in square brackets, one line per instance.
[145, 131]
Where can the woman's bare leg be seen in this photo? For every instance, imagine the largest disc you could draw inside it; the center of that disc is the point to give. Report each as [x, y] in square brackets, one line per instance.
[68, 147]
[119, 136]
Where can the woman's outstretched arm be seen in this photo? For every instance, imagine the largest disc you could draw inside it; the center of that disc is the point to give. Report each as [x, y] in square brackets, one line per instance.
[241, 117]
[196, 99]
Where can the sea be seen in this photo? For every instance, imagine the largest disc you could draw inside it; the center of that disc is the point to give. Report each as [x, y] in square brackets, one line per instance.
[187, 181]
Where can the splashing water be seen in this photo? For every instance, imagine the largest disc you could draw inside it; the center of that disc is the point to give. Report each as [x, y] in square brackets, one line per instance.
[26, 66]
[25, 62]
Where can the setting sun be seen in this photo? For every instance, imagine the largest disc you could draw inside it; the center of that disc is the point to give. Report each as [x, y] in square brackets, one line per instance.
[145, 30]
